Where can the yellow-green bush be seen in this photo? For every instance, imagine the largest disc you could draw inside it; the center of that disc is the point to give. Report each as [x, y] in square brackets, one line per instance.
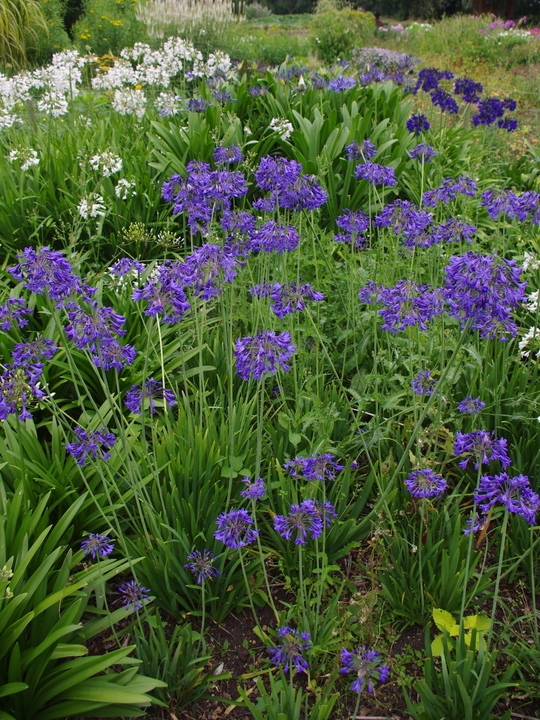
[108, 26]
[335, 33]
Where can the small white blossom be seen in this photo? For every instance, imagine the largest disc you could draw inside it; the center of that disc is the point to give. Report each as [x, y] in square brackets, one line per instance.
[283, 127]
[530, 261]
[25, 156]
[107, 162]
[124, 189]
[532, 302]
[91, 206]
[532, 335]
[129, 102]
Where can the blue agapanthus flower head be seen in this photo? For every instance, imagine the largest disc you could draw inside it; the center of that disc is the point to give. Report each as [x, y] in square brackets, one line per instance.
[366, 665]
[235, 529]
[289, 653]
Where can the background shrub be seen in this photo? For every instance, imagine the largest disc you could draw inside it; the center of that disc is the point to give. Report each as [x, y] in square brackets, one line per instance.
[334, 33]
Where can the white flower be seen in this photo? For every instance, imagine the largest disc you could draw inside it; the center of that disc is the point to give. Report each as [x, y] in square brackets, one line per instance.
[91, 206]
[283, 127]
[26, 156]
[107, 162]
[530, 261]
[533, 334]
[532, 302]
[168, 104]
[124, 189]
[129, 102]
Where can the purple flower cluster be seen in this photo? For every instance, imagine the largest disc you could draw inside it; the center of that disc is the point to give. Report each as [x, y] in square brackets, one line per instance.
[97, 546]
[483, 289]
[202, 192]
[254, 490]
[354, 223]
[429, 78]
[366, 665]
[289, 188]
[375, 174]
[425, 484]
[126, 266]
[498, 202]
[150, 390]
[33, 351]
[320, 466]
[228, 155]
[14, 312]
[235, 529]
[468, 89]
[408, 303]
[303, 521]
[202, 565]
[273, 237]
[206, 269]
[515, 494]
[492, 109]
[165, 293]
[134, 594]
[18, 388]
[93, 443]
[287, 298]
[449, 189]
[423, 383]
[417, 124]
[263, 354]
[289, 653]
[364, 150]
[470, 405]
[444, 100]
[482, 447]
[423, 153]
[403, 216]
[341, 83]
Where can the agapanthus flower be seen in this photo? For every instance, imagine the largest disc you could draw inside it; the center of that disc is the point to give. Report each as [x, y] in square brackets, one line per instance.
[134, 595]
[150, 390]
[255, 490]
[375, 174]
[228, 155]
[33, 351]
[489, 110]
[287, 298]
[341, 83]
[202, 565]
[445, 101]
[366, 665]
[423, 383]
[97, 545]
[90, 326]
[470, 405]
[360, 150]
[515, 494]
[198, 105]
[257, 91]
[469, 90]
[109, 354]
[273, 237]
[403, 216]
[482, 447]
[325, 510]
[92, 206]
[423, 153]
[289, 188]
[93, 443]
[429, 79]
[289, 653]
[263, 354]
[476, 523]
[355, 223]
[207, 268]
[449, 189]
[320, 466]
[126, 266]
[405, 305]
[301, 522]
[223, 96]
[235, 528]
[165, 294]
[508, 124]
[425, 483]
[19, 388]
[483, 290]
[14, 312]
[417, 124]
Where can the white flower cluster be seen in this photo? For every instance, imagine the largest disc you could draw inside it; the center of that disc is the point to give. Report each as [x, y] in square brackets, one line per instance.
[532, 302]
[25, 156]
[129, 101]
[91, 206]
[530, 261]
[107, 162]
[124, 189]
[532, 335]
[283, 127]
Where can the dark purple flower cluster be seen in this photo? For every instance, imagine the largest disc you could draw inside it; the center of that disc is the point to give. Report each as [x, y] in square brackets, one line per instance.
[263, 354]
[423, 153]
[361, 150]
[235, 529]
[257, 91]
[341, 83]
[288, 654]
[482, 447]
[239, 228]
[33, 351]
[515, 494]
[449, 189]
[408, 303]
[288, 187]
[126, 266]
[150, 390]
[202, 192]
[417, 124]
[354, 223]
[468, 89]
[401, 215]
[207, 268]
[423, 383]
[44, 270]
[202, 565]
[228, 155]
[97, 546]
[429, 78]
[475, 524]
[320, 466]
[441, 98]
[375, 174]
[470, 405]
[303, 521]
[483, 289]
[287, 298]
[14, 312]
[198, 105]
[498, 202]
[273, 237]
[366, 665]
[491, 109]
[223, 96]
[134, 594]
[18, 388]
[507, 124]
[425, 483]
[165, 293]
[93, 443]
[254, 490]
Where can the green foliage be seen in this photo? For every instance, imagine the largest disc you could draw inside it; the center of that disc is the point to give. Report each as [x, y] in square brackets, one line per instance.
[21, 22]
[107, 26]
[271, 45]
[55, 39]
[463, 687]
[335, 33]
